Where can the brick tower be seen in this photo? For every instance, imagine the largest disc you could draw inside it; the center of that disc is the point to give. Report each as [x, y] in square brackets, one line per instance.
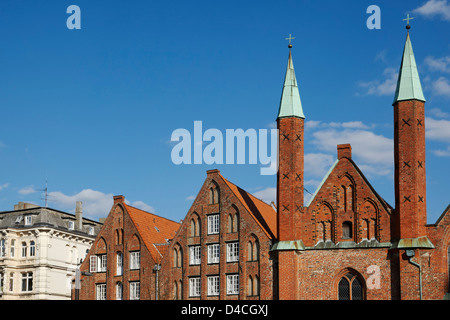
[410, 179]
[290, 123]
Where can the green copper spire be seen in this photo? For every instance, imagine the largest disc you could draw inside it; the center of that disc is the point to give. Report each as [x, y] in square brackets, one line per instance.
[290, 104]
[408, 84]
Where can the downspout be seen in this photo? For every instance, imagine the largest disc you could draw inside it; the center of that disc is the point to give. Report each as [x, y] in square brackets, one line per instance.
[156, 268]
[410, 255]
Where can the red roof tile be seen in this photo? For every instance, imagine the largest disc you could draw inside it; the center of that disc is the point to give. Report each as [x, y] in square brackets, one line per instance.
[154, 230]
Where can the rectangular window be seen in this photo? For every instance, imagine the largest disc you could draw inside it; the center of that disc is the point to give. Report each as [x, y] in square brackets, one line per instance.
[101, 264]
[213, 286]
[213, 253]
[232, 251]
[135, 260]
[233, 284]
[195, 255]
[28, 220]
[13, 247]
[93, 264]
[2, 248]
[24, 249]
[101, 291]
[119, 291]
[27, 281]
[213, 224]
[119, 267]
[71, 224]
[135, 290]
[194, 287]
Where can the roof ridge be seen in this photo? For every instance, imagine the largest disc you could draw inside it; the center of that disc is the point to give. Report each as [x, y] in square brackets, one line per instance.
[153, 214]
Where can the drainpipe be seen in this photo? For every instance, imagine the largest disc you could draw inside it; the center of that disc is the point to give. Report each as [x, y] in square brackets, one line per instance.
[410, 255]
[156, 268]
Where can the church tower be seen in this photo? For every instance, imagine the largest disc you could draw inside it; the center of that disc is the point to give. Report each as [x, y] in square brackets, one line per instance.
[290, 124]
[410, 178]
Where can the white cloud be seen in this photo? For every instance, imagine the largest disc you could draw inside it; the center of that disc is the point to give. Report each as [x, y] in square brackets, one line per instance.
[441, 87]
[366, 145]
[317, 164]
[442, 153]
[267, 195]
[190, 198]
[437, 129]
[143, 206]
[439, 113]
[95, 203]
[312, 124]
[3, 186]
[384, 87]
[438, 64]
[435, 8]
[27, 190]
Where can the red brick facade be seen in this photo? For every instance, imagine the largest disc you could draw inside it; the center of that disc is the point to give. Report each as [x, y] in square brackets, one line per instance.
[243, 220]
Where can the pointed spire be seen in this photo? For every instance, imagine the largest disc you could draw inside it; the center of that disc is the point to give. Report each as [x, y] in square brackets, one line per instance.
[408, 84]
[290, 104]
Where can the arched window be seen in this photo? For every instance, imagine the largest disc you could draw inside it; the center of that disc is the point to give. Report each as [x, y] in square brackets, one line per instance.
[230, 223]
[24, 249]
[250, 286]
[32, 248]
[119, 263]
[256, 286]
[347, 230]
[344, 197]
[350, 288]
[213, 193]
[119, 291]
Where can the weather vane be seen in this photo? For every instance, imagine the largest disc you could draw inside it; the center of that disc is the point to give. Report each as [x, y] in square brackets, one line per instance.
[407, 21]
[290, 39]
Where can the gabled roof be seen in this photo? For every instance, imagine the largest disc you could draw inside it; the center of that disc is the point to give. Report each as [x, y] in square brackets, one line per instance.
[382, 201]
[408, 84]
[263, 213]
[290, 104]
[154, 230]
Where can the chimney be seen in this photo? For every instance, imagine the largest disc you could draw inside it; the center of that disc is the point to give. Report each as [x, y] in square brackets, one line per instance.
[344, 151]
[79, 215]
[119, 199]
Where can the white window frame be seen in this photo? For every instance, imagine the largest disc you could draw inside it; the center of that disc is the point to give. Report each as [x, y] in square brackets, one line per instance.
[194, 287]
[213, 223]
[2, 248]
[71, 225]
[135, 290]
[32, 248]
[213, 285]
[24, 249]
[28, 220]
[232, 284]
[13, 248]
[100, 291]
[195, 255]
[119, 291]
[232, 251]
[93, 264]
[135, 260]
[119, 264]
[27, 282]
[214, 253]
[102, 263]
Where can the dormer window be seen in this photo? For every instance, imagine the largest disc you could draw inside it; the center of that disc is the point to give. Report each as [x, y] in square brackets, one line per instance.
[71, 225]
[28, 220]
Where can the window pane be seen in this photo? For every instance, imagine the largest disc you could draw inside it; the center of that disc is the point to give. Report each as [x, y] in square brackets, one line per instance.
[357, 290]
[344, 289]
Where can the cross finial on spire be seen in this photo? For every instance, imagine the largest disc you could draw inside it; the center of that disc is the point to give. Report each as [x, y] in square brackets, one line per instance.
[407, 21]
[290, 39]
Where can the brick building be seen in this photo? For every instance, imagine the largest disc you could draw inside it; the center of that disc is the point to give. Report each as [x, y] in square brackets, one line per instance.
[123, 261]
[347, 243]
[222, 249]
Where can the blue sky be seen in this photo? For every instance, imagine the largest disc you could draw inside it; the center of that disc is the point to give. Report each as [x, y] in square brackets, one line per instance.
[92, 110]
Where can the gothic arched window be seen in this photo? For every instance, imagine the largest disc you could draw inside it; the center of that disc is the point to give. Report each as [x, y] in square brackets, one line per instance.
[350, 288]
